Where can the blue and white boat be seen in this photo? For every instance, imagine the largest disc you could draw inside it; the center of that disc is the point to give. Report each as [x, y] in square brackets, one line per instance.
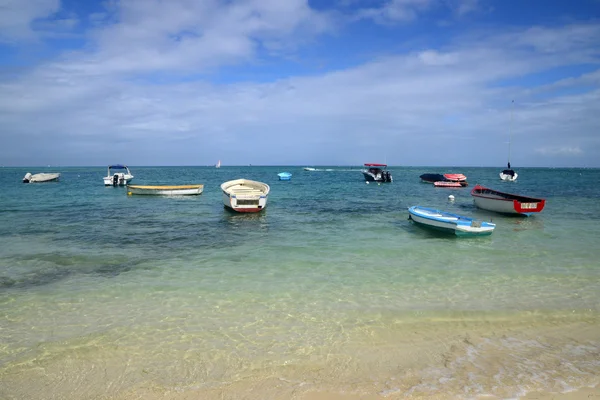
[449, 222]
[284, 176]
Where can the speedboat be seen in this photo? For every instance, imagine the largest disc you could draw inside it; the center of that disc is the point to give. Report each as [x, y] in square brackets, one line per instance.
[506, 203]
[376, 173]
[244, 195]
[117, 178]
[449, 222]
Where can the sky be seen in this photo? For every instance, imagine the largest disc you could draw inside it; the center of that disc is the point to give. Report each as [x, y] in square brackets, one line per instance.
[296, 82]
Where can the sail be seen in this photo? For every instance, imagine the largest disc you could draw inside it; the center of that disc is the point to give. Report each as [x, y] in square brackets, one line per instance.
[218, 164]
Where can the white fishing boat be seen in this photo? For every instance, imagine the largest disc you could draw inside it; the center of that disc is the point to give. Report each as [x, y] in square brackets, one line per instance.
[375, 172]
[244, 195]
[41, 177]
[450, 222]
[117, 178]
[506, 203]
[509, 174]
[165, 190]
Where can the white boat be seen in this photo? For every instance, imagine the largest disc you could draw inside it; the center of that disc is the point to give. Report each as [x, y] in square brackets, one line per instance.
[449, 222]
[218, 164]
[41, 177]
[117, 178]
[509, 174]
[309, 169]
[244, 195]
[506, 203]
[376, 173]
[165, 190]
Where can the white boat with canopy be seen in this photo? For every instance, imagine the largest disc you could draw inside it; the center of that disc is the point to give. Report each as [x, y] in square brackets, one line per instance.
[117, 178]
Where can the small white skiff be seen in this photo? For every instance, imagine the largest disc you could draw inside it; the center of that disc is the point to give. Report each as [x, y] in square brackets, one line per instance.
[244, 195]
[165, 190]
[42, 177]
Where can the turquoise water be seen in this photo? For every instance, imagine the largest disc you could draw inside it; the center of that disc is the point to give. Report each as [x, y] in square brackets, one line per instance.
[330, 288]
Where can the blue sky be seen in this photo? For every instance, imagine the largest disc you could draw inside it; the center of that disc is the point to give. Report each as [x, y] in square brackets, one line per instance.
[292, 82]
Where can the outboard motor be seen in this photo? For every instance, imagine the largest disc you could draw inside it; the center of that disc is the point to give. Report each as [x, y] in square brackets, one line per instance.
[115, 179]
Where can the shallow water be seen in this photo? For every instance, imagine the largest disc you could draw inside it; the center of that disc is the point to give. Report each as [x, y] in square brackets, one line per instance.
[104, 295]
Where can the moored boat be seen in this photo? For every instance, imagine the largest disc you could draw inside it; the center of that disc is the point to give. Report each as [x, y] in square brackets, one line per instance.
[117, 178]
[450, 184]
[376, 173]
[506, 203]
[284, 176]
[455, 177]
[41, 177]
[165, 190]
[244, 195]
[450, 222]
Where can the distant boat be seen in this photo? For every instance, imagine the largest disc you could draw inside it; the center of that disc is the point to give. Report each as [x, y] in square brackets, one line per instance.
[284, 176]
[309, 169]
[117, 178]
[506, 203]
[449, 222]
[244, 195]
[165, 190]
[42, 177]
[509, 174]
[374, 172]
[218, 164]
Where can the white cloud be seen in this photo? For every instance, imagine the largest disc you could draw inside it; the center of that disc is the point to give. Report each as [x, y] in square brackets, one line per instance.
[17, 16]
[437, 105]
[560, 151]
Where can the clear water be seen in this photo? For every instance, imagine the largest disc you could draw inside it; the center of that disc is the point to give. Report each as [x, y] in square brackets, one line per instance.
[104, 295]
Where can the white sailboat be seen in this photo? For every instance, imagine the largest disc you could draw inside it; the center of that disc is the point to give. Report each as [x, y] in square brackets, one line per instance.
[218, 165]
[509, 174]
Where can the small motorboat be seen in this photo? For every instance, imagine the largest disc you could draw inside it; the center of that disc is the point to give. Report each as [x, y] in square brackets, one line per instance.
[244, 195]
[41, 177]
[165, 190]
[284, 176]
[506, 203]
[117, 178]
[376, 173]
[435, 178]
[449, 222]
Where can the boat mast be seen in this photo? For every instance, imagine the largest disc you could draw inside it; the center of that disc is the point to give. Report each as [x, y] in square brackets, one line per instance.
[510, 131]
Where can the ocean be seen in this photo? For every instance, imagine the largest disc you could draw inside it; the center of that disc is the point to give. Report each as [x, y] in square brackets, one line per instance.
[331, 289]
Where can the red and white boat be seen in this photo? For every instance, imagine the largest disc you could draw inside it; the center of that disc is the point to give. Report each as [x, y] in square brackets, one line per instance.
[506, 203]
[450, 184]
[455, 177]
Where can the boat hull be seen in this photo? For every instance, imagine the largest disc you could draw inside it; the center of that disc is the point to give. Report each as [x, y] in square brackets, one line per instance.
[450, 223]
[122, 180]
[506, 176]
[245, 196]
[506, 203]
[165, 190]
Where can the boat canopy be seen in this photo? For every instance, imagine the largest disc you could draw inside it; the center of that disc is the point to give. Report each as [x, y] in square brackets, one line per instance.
[117, 166]
[375, 165]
